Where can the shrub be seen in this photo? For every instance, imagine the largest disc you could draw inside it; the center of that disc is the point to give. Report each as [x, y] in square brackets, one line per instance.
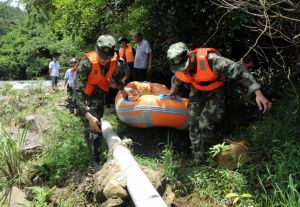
[65, 149]
[11, 163]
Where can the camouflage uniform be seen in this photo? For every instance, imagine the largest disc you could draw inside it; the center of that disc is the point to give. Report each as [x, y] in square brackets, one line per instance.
[207, 108]
[94, 103]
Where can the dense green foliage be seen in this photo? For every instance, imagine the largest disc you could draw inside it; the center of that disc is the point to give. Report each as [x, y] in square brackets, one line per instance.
[27, 50]
[68, 27]
[9, 17]
[22, 51]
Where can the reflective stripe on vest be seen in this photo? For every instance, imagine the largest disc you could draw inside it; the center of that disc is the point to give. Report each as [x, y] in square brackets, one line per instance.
[127, 54]
[204, 79]
[96, 77]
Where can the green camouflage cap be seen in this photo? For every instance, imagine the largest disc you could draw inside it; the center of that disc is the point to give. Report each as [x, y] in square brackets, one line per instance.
[178, 56]
[106, 46]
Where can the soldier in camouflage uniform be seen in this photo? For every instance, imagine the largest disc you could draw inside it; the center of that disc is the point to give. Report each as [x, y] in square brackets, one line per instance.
[206, 70]
[96, 72]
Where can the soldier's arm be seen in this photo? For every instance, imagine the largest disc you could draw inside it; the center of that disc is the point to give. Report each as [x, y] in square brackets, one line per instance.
[120, 75]
[80, 80]
[178, 83]
[175, 84]
[233, 70]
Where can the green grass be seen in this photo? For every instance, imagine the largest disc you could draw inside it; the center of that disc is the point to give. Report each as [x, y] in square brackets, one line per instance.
[10, 153]
[272, 178]
[275, 141]
[168, 164]
[11, 162]
[41, 196]
[64, 147]
[146, 161]
[66, 197]
[17, 104]
[64, 150]
[214, 183]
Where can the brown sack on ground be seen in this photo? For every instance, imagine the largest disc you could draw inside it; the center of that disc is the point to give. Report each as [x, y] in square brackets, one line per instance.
[238, 154]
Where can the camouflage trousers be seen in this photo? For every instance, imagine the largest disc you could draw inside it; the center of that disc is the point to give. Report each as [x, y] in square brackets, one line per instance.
[206, 109]
[96, 105]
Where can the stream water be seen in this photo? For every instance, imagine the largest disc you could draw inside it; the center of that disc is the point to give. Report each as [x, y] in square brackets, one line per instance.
[25, 84]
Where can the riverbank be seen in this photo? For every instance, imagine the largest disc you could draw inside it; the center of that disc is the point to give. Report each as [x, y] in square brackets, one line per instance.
[57, 173]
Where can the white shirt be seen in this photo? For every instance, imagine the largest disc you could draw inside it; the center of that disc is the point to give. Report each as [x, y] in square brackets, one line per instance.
[69, 77]
[141, 59]
[54, 68]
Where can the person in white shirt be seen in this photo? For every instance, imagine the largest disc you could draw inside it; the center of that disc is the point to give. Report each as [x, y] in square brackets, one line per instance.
[69, 82]
[54, 72]
[142, 67]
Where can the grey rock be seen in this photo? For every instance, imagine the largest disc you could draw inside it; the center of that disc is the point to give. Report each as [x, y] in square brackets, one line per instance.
[32, 145]
[113, 202]
[111, 183]
[103, 177]
[17, 198]
[169, 197]
[37, 123]
[114, 188]
[32, 123]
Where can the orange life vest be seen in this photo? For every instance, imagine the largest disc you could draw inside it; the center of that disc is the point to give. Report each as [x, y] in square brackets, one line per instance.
[127, 54]
[204, 79]
[96, 78]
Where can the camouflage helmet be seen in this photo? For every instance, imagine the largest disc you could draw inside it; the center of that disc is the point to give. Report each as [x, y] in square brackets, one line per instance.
[178, 54]
[105, 46]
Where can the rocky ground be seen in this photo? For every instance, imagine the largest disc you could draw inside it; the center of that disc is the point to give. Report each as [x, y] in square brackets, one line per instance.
[104, 188]
[52, 175]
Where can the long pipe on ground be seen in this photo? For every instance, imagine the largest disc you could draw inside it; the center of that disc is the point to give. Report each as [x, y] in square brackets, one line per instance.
[141, 191]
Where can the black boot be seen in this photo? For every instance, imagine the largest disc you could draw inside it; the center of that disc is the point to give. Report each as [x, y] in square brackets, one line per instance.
[94, 150]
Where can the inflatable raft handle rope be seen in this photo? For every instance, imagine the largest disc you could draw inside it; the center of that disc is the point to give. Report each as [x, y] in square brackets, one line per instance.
[161, 97]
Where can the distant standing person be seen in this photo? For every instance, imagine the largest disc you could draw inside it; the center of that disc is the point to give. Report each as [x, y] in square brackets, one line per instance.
[127, 53]
[143, 59]
[54, 72]
[69, 82]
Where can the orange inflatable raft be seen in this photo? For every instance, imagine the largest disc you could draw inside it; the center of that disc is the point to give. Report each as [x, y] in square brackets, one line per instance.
[149, 106]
